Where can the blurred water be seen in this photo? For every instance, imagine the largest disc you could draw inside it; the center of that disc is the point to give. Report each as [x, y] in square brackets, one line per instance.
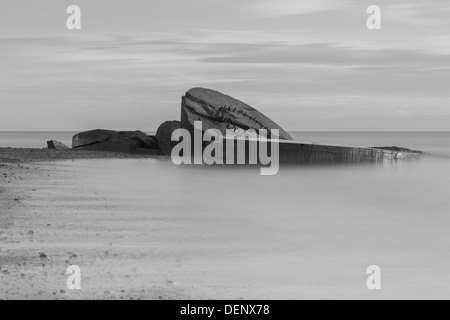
[308, 232]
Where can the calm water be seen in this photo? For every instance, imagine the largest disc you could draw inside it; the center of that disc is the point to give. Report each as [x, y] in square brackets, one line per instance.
[437, 143]
[308, 232]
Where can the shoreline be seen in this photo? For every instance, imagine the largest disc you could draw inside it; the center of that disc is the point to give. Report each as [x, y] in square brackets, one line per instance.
[36, 218]
[24, 155]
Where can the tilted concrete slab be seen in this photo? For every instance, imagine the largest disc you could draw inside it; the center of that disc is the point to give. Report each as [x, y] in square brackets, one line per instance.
[219, 111]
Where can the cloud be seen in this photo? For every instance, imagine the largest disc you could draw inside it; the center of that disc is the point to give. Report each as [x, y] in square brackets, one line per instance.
[295, 7]
[137, 79]
[439, 45]
[339, 54]
[431, 13]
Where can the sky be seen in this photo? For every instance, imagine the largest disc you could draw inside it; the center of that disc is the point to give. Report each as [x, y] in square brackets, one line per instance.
[310, 65]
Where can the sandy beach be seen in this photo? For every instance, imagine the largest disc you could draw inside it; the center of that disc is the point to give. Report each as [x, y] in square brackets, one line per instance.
[35, 220]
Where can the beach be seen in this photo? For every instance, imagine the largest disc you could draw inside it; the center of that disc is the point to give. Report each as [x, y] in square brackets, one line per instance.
[142, 228]
[32, 224]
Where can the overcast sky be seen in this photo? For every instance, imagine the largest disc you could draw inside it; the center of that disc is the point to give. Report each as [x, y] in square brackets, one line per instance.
[307, 64]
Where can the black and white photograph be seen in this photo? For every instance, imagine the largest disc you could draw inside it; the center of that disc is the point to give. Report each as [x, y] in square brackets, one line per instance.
[224, 155]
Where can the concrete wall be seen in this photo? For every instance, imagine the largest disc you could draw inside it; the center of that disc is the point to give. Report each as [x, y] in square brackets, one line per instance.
[293, 152]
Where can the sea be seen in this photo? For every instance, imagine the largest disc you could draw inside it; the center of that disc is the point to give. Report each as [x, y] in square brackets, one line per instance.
[435, 143]
[307, 232]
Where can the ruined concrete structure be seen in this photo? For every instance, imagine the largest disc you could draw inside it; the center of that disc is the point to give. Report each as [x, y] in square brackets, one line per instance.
[135, 142]
[219, 111]
[296, 152]
[164, 135]
[56, 145]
